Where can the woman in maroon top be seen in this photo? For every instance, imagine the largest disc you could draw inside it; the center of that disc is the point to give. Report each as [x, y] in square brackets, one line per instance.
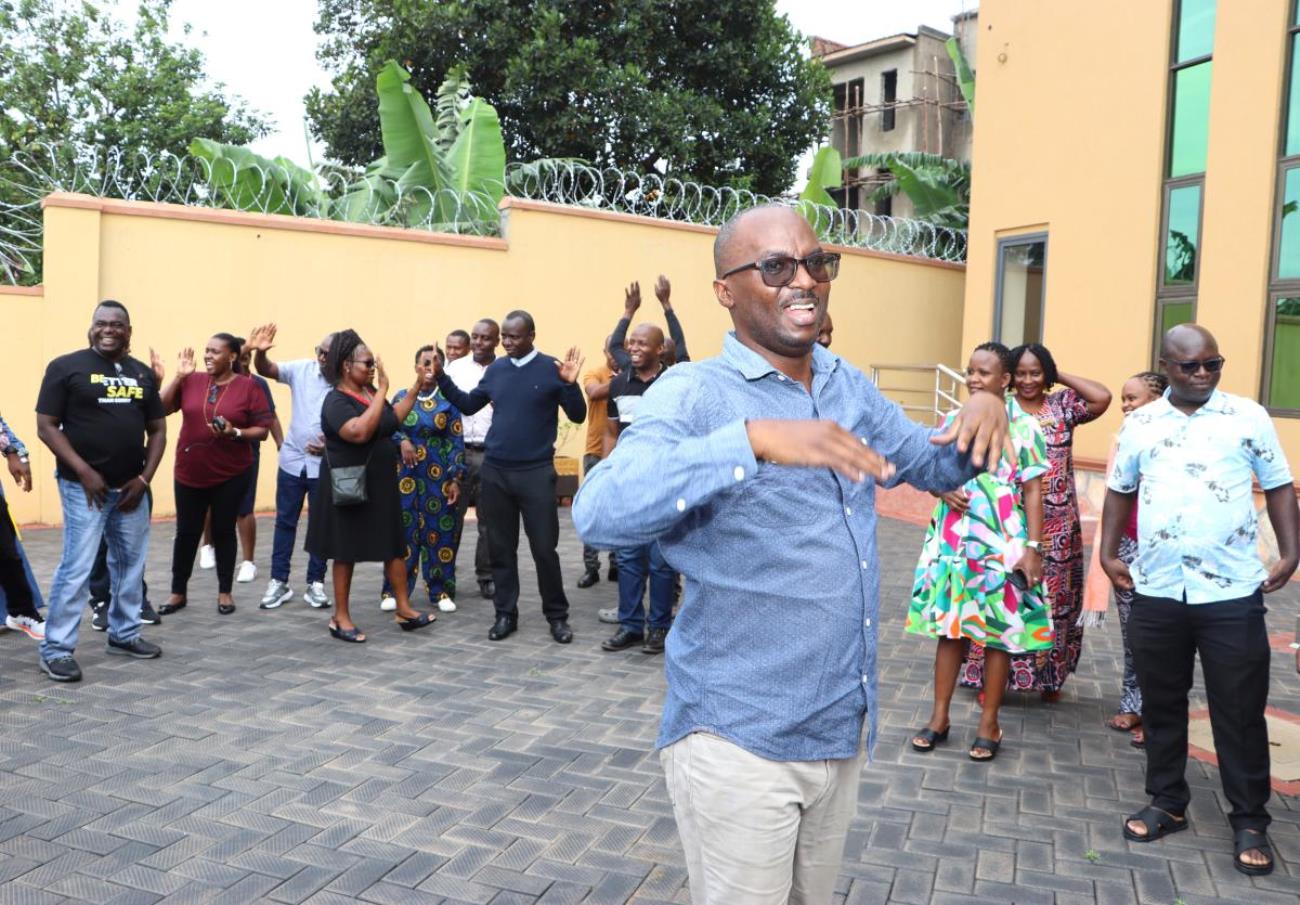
[223, 413]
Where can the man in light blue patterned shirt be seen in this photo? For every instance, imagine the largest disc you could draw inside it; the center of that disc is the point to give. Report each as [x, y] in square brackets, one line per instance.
[755, 471]
[1187, 461]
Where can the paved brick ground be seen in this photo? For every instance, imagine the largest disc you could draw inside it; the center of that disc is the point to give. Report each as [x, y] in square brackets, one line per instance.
[260, 760]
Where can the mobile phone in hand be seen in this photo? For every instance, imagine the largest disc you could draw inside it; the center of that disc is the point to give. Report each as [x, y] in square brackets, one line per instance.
[219, 423]
[1017, 578]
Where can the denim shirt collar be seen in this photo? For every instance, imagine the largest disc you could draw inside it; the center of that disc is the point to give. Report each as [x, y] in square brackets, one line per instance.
[753, 366]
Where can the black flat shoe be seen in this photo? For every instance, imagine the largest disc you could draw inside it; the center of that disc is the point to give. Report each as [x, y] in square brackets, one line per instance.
[503, 628]
[225, 609]
[420, 621]
[988, 744]
[589, 578]
[930, 739]
[352, 635]
[1245, 840]
[622, 640]
[561, 632]
[168, 608]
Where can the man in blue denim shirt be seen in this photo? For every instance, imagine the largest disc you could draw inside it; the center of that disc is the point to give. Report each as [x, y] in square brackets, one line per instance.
[1199, 585]
[755, 472]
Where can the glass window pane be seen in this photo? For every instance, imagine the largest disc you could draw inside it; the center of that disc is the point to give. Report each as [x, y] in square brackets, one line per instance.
[1293, 101]
[1021, 277]
[1195, 29]
[1183, 235]
[1284, 371]
[1175, 313]
[1288, 251]
[1191, 132]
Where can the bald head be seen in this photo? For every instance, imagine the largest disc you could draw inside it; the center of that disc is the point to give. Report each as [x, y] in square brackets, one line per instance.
[1187, 341]
[729, 248]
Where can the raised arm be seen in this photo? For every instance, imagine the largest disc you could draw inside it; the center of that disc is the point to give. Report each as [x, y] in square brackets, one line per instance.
[571, 399]
[261, 340]
[664, 292]
[631, 302]
[171, 394]
[468, 403]
[1094, 394]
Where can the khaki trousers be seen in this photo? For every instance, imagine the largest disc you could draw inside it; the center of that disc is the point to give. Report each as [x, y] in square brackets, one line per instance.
[757, 831]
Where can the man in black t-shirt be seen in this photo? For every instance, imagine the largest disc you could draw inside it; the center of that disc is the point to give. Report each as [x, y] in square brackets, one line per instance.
[95, 410]
[645, 349]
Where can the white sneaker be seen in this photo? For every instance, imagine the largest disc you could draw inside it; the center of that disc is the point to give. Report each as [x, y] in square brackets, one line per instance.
[388, 604]
[207, 557]
[32, 626]
[446, 604]
[315, 595]
[277, 592]
[247, 571]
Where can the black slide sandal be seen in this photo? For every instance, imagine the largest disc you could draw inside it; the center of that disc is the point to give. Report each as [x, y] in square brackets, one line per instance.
[935, 739]
[1158, 823]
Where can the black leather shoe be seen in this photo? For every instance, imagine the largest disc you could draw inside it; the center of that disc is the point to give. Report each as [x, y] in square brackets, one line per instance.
[589, 578]
[561, 632]
[654, 640]
[487, 588]
[622, 640]
[612, 575]
[504, 627]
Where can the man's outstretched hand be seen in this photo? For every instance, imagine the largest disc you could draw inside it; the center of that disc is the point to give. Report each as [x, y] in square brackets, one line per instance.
[817, 444]
[664, 292]
[980, 428]
[571, 365]
[631, 300]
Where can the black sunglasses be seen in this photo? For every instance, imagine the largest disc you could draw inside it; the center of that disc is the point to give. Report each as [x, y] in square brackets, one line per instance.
[780, 270]
[1211, 365]
[367, 363]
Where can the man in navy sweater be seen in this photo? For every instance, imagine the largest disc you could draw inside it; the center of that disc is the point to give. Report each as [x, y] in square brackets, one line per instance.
[526, 389]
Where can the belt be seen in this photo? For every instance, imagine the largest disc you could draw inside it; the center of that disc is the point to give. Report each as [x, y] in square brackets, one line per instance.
[478, 447]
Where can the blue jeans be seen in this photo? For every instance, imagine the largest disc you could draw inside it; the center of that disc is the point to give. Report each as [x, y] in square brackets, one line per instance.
[634, 566]
[127, 535]
[290, 491]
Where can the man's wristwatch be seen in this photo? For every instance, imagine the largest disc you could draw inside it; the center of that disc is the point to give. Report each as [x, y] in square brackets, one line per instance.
[239, 434]
[1036, 546]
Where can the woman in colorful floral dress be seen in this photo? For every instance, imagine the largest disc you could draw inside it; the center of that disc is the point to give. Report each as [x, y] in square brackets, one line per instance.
[967, 590]
[428, 478]
[1034, 373]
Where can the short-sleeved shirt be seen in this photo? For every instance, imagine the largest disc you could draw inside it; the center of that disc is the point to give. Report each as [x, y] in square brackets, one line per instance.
[102, 407]
[309, 388]
[596, 411]
[1197, 524]
[204, 459]
[625, 394]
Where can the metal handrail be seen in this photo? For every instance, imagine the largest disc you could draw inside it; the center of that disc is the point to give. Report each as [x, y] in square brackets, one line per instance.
[943, 395]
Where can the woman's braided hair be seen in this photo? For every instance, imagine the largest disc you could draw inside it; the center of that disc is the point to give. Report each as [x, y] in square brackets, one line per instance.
[1156, 383]
[345, 343]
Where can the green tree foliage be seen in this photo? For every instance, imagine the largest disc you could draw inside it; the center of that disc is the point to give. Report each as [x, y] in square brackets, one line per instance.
[720, 91]
[73, 72]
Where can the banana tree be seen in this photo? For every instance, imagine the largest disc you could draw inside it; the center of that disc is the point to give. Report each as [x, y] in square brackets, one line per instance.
[938, 187]
[815, 202]
[247, 181]
[446, 174]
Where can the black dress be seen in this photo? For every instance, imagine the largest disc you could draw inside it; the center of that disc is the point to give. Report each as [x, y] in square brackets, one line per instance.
[371, 531]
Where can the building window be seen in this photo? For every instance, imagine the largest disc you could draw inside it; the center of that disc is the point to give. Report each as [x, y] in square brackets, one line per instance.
[1187, 140]
[1280, 390]
[1022, 271]
[888, 97]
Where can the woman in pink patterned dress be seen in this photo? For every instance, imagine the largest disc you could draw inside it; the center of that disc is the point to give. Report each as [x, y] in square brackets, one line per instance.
[1078, 401]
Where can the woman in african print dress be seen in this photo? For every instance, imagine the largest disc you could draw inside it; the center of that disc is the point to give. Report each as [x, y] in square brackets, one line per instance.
[1080, 400]
[428, 478]
[977, 582]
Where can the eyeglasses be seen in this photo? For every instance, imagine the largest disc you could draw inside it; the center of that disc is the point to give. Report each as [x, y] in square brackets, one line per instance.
[780, 270]
[1211, 365]
[367, 363]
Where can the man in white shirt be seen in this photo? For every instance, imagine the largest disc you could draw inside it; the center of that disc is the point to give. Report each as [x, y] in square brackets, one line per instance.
[466, 373]
[300, 459]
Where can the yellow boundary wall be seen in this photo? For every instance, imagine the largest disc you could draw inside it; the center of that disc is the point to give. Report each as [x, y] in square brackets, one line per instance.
[186, 273]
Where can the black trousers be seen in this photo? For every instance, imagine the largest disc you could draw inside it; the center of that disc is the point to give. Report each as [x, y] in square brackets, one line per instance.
[470, 494]
[192, 505]
[13, 577]
[1232, 641]
[505, 495]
